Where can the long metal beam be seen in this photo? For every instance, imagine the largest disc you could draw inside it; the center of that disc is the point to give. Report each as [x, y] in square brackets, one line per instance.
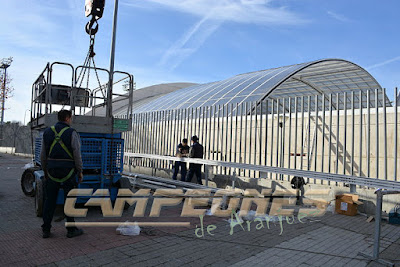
[348, 179]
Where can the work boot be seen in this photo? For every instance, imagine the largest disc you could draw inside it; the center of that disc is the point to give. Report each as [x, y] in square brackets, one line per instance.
[46, 233]
[75, 232]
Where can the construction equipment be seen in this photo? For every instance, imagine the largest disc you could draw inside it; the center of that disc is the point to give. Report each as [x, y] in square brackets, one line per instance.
[86, 96]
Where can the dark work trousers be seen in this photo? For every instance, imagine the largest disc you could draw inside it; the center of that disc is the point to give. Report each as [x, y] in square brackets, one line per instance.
[182, 165]
[300, 195]
[51, 189]
[194, 169]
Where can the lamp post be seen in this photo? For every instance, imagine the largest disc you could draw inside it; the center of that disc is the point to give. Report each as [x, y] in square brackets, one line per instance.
[25, 115]
[5, 63]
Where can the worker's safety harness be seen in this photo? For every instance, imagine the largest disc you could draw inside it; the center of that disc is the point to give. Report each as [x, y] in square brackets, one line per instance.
[58, 140]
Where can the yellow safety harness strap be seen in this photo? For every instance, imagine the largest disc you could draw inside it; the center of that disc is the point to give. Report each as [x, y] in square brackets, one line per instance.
[60, 180]
[57, 139]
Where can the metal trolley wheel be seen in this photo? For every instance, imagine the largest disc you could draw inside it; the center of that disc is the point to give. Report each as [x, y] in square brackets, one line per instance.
[27, 182]
[39, 198]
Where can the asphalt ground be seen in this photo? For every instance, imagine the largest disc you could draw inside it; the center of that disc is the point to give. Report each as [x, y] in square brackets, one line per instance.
[331, 240]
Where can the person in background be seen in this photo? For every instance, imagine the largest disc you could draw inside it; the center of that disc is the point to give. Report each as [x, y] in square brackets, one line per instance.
[61, 162]
[196, 151]
[182, 150]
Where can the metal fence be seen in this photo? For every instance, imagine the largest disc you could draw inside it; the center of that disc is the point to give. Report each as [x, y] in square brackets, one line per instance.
[345, 133]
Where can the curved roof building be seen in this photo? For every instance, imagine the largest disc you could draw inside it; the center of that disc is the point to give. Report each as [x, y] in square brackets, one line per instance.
[324, 77]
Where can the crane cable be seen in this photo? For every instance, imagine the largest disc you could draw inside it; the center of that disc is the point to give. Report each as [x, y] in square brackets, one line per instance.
[89, 60]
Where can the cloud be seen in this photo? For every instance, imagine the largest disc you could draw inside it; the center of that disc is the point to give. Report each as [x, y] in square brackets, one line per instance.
[28, 24]
[337, 16]
[212, 14]
[189, 43]
[244, 11]
[381, 64]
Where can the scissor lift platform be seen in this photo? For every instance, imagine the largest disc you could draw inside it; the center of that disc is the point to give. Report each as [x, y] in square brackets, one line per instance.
[102, 147]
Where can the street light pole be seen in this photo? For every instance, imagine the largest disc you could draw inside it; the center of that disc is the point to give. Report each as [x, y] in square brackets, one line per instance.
[25, 115]
[112, 57]
[5, 63]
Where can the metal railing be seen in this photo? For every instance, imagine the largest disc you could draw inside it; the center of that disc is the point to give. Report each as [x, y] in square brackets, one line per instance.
[82, 97]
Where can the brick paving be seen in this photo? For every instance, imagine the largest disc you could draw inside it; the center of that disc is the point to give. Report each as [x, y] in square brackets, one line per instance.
[332, 240]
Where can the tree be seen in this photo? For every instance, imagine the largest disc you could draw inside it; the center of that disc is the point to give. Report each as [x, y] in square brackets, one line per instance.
[8, 87]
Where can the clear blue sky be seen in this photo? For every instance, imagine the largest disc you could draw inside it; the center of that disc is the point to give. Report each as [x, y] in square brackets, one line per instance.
[199, 41]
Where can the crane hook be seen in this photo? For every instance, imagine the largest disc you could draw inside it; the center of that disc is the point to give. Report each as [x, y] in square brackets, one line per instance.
[89, 26]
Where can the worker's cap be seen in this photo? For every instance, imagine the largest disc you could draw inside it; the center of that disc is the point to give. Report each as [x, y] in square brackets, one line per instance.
[194, 138]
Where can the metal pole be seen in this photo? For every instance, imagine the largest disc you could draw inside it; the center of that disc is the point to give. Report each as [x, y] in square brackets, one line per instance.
[148, 139]
[159, 136]
[178, 127]
[278, 133]
[290, 132]
[368, 132]
[163, 141]
[139, 134]
[171, 133]
[236, 135]
[255, 136]
[345, 133]
[174, 139]
[184, 124]
[295, 132]
[245, 135]
[217, 139]
[213, 133]
[272, 132]
[395, 134]
[195, 130]
[223, 154]
[210, 130]
[323, 133]
[240, 135]
[302, 131]
[260, 137]
[352, 186]
[251, 133]
[282, 157]
[266, 132]
[377, 132]
[378, 213]
[135, 132]
[308, 135]
[204, 130]
[330, 134]
[337, 133]
[112, 57]
[231, 138]
[315, 143]
[361, 134]
[153, 134]
[191, 122]
[226, 136]
[384, 132]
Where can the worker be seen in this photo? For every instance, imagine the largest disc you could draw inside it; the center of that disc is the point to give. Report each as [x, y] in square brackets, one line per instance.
[196, 151]
[61, 162]
[182, 150]
[298, 183]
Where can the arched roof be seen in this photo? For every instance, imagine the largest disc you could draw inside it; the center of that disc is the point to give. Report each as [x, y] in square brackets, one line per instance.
[324, 76]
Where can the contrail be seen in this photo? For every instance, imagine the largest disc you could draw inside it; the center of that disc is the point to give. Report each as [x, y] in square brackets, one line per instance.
[383, 63]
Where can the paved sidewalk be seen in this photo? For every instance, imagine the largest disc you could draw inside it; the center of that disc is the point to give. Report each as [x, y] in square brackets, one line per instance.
[331, 240]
